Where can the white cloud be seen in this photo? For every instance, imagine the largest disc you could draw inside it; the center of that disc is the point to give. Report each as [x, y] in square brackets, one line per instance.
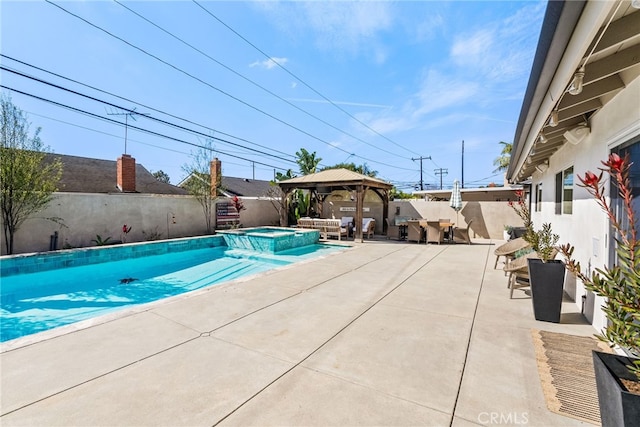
[340, 27]
[269, 63]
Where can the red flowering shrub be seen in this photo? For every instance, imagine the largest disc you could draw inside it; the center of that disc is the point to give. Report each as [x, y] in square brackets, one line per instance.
[620, 284]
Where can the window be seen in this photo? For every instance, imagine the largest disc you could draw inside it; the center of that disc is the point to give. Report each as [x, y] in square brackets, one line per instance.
[567, 191]
[564, 192]
[538, 197]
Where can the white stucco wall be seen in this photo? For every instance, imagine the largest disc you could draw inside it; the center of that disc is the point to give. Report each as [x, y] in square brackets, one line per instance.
[587, 228]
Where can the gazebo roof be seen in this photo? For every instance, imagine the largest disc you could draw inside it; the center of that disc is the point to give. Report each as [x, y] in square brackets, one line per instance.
[334, 178]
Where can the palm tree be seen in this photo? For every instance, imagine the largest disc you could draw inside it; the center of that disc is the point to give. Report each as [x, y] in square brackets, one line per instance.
[308, 162]
[502, 162]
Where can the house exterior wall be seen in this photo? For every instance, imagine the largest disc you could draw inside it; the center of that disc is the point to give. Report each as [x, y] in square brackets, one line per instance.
[88, 215]
[587, 228]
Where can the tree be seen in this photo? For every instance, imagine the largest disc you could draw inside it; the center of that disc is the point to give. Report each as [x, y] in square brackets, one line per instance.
[307, 161]
[27, 181]
[502, 162]
[361, 169]
[162, 176]
[199, 184]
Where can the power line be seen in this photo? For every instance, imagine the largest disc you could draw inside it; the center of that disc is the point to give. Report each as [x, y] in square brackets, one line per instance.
[131, 111]
[441, 172]
[216, 88]
[144, 106]
[300, 80]
[131, 126]
[421, 159]
[257, 84]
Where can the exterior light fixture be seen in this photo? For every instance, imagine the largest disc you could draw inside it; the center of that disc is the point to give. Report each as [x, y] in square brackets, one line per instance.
[542, 167]
[553, 119]
[575, 88]
[576, 135]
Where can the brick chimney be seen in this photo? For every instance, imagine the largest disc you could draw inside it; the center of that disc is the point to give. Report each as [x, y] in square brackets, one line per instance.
[215, 170]
[126, 174]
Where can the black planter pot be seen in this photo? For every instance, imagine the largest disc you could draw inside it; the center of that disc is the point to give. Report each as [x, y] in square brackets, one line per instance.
[618, 407]
[547, 287]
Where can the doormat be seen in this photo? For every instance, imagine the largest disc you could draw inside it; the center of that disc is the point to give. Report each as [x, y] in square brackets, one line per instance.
[565, 366]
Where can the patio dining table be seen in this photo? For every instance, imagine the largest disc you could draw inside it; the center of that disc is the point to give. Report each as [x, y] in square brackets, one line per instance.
[446, 226]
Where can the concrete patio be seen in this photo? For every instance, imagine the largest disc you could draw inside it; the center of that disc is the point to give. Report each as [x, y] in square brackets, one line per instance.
[385, 333]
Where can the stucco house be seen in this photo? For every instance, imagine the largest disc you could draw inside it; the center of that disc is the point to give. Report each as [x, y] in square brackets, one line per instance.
[581, 104]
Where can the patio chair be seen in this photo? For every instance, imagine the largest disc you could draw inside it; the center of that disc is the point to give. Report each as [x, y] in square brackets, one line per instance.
[305, 223]
[446, 231]
[462, 234]
[414, 231]
[368, 227]
[333, 228]
[509, 249]
[518, 273]
[347, 223]
[434, 232]
[393, 231]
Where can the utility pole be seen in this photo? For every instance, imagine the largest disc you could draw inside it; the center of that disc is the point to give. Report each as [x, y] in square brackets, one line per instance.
[127, 114]
[463, 163]
[441, 172]
[421, 159]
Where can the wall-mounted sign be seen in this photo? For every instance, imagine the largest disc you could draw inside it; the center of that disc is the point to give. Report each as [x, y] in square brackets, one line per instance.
[352, 209]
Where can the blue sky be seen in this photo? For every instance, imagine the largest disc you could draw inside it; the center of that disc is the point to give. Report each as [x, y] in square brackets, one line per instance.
[373, 82]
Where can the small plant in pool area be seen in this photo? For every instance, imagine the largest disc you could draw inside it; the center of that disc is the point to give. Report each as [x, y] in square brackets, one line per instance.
[99, 241]
[236, 202]
[620, 284]
[125, 230]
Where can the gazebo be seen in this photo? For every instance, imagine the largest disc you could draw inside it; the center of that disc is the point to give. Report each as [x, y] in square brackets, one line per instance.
[323, 183]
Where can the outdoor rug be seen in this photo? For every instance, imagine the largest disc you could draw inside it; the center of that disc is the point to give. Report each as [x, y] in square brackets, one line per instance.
[565, 366]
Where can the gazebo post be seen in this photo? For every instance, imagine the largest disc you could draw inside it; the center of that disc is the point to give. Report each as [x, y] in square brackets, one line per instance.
[360, 189]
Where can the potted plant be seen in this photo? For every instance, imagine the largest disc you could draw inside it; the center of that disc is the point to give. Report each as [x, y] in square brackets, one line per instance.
[506, 233]
[546, 274]
[617, 376]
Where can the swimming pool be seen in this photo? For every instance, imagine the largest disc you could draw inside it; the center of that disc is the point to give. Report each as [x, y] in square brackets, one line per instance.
[42, 300]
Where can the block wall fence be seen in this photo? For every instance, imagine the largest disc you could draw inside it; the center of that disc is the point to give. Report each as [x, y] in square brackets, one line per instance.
[168, 216]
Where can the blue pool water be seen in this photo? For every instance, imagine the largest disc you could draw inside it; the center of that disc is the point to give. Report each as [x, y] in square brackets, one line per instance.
[44, 300]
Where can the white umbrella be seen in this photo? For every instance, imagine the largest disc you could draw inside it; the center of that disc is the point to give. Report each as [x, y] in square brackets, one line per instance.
[456, 198]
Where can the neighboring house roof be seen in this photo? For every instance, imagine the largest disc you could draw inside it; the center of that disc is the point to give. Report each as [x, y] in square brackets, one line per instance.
[230, 186]
[244, 187]
[596, 38]
[87, 175]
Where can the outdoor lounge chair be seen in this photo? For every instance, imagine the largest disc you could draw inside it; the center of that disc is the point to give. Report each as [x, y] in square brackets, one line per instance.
[393, 231]
[368, 227]
[414, 231]
[518, 272]
[509, 249]
[462, 234]
[347, 223]
[333, 228]
[305, 222]
[434, 233]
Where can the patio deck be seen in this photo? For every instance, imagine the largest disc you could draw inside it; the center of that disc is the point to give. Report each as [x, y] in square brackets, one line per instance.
[387, 333]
